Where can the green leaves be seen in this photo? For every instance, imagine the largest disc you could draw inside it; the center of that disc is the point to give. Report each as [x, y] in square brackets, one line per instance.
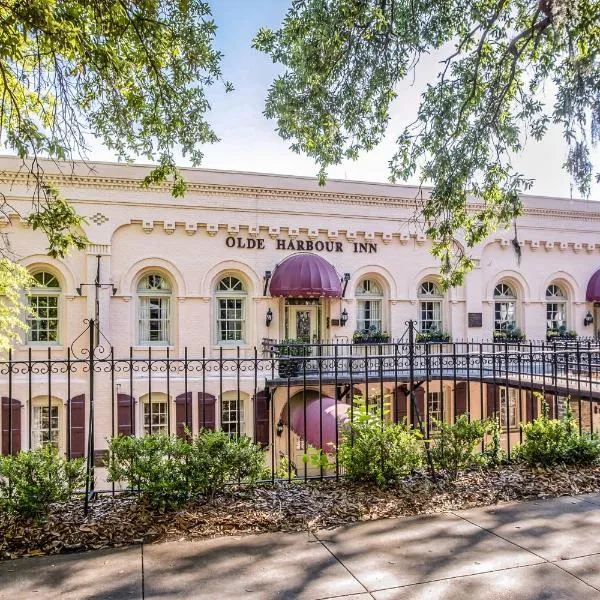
[168, 470]
[374, 450]
[345, 59]
[31, 481]
[14, 282]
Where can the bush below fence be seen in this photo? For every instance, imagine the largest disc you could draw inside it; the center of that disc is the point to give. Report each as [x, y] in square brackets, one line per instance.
[167, 471]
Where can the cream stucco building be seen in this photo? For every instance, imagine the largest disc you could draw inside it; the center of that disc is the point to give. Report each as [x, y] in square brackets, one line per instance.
[193, 277]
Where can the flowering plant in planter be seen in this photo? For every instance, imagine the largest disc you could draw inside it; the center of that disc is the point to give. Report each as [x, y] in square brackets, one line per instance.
[560, 333]
[289, 366]
[511, 334]
[432, 336]
[370, 336]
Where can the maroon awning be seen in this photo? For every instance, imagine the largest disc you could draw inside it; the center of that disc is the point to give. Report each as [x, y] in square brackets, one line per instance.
[305, 276]
[316, 409]
[593, 289]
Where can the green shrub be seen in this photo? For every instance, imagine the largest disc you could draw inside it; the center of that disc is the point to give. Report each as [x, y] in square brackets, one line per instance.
[453, 448]
[376, 451]
[31, 481]
[168, 470]
[218, 458]
[551, 441]
[155, 465]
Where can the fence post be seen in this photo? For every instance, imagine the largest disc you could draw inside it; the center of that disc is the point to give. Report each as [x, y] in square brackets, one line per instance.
[413, 402]
[89, 473]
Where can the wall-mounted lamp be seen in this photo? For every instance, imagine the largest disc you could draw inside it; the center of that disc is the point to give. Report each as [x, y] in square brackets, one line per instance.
[269, 318]
[279, 428]
[588, 319]
[267, 278]
[344, 318]
[345, 280]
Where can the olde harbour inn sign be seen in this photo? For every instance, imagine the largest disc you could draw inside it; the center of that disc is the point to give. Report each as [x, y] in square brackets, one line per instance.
[301, 245]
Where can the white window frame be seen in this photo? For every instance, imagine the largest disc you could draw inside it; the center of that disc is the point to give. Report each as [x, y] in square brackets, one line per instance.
[556, 303]
[435, 409]
[369, 305]
[229, 409]
[431, 300]
[505, 302]
[39, 425]
[160, 411]
[513, 405]
[48, 293]
[228, 292]
[147, 294]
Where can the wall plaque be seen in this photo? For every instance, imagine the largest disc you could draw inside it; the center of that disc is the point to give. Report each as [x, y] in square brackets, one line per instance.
[476, 319]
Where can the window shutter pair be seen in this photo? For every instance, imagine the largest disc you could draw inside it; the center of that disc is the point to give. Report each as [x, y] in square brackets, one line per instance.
[183, 405]
[76, 421]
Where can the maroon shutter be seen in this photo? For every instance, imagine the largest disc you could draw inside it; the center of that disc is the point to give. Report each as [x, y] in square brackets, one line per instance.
[261, 417]
[531, 406]
[460, 398]
[125, 414]
[77, 421]
[400, 398]
[492, 399]
[420, 400]
[183, 402]
[206, 412]
[15, 425]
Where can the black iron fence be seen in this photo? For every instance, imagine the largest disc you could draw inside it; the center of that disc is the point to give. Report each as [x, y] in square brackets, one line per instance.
[291, 398]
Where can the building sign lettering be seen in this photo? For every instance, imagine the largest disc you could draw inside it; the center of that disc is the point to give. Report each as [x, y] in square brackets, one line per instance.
[301, 245]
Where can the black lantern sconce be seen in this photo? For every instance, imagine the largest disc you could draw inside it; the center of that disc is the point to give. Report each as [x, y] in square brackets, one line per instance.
[344, 318]
[279, 429]
[269, 318]
[345, 280]
[266, 278]
[588, 319]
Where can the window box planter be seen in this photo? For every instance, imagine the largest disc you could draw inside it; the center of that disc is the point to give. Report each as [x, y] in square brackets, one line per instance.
[288, 365]
[561, 334]
[433, 337]
[513, 334]
[370, 336]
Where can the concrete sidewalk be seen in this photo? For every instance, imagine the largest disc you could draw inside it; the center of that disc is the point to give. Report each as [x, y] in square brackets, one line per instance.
[545, 549]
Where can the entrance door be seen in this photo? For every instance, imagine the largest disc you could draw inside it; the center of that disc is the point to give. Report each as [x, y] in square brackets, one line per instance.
[303, 323]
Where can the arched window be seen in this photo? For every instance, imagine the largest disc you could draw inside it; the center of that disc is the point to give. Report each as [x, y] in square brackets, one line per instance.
[556, 307]
[430, 307]
[44, 301]
[505, 307]
[154, 310]
[369, 296]
[231, 310]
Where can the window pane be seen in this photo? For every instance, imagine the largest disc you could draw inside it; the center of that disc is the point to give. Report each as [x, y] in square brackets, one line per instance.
[231, 418]
[158, 418]
[44, 429]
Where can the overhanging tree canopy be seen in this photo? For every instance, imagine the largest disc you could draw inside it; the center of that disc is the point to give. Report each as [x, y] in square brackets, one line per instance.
[132, 73]
[516, 66]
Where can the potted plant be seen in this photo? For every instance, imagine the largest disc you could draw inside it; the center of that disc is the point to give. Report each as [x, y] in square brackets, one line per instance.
[286, 351]
[511, 334]
[555, 334]
[370, 336]
[432, 336]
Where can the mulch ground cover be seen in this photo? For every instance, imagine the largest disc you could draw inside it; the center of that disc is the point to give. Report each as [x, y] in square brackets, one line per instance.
[123, 520]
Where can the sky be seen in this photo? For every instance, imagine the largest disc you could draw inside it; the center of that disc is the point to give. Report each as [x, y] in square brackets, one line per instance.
[249, 141]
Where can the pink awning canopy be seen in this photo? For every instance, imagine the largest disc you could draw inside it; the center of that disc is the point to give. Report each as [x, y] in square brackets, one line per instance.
[305, 276]
[593, 289]
[316, 409]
